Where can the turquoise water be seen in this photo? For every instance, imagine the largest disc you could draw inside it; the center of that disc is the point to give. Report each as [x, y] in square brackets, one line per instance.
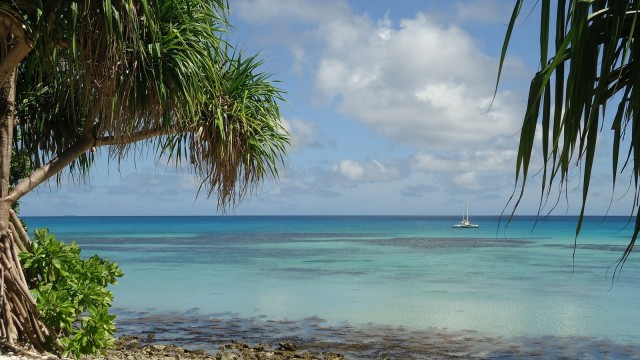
[414, 272]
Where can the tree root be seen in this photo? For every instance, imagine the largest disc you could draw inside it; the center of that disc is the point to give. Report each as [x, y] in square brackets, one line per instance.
[19, 316]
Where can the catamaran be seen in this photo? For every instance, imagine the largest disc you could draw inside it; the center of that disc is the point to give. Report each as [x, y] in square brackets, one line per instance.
[465, 223]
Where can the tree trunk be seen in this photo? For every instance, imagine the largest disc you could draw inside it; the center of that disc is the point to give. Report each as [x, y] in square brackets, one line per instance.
[19, 317]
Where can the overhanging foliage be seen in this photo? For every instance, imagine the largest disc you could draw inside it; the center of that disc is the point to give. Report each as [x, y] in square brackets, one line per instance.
[594, 66]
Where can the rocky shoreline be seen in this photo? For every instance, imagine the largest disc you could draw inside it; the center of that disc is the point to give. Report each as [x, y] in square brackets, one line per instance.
[131, 348]
[197, 337]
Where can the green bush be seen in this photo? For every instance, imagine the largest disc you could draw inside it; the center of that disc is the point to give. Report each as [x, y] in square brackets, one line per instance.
[71, 293]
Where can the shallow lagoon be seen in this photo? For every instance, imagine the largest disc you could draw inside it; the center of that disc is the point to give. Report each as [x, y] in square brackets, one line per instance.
[513, 285]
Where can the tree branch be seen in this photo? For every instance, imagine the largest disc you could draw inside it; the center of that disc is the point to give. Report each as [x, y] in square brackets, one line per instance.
[128, 139]
[46, 171]
[83, 145]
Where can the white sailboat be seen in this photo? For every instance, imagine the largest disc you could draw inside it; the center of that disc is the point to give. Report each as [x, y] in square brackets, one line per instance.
[465, 223]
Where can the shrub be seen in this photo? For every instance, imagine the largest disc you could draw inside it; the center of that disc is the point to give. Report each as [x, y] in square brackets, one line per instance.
[71, 293]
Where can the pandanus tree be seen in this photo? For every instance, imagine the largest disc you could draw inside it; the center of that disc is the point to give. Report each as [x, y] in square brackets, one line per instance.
[130, 76]
[593, 66]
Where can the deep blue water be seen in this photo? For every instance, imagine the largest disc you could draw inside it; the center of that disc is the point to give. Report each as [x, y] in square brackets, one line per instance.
[505, 280]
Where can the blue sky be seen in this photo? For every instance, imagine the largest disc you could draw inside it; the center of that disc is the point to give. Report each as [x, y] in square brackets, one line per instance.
[388, 105]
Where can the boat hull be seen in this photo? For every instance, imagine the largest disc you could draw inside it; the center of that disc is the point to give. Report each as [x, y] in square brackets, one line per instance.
[466, 226]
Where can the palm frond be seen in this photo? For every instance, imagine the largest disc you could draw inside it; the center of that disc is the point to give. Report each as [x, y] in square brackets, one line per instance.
[238, 140]
[125, 67]
[596, 63]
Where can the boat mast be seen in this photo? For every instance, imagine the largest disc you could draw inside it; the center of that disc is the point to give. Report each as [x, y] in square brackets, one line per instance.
[465, 215]
[467, 209]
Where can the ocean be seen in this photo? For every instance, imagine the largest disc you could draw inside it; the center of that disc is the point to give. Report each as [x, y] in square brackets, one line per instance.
[509, 288]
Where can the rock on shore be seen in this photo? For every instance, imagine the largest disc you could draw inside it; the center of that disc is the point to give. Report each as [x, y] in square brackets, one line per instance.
[129, 348]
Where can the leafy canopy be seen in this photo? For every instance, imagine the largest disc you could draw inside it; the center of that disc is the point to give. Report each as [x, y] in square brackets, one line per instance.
[146, 76]
[593, 66]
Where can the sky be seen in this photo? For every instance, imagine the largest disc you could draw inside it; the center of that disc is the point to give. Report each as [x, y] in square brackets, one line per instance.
[391, 109]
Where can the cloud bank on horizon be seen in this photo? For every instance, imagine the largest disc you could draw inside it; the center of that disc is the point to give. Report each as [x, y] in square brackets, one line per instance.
[392, 107]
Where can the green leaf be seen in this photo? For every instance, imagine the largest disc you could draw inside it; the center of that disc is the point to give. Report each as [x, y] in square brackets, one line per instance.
[70, 286]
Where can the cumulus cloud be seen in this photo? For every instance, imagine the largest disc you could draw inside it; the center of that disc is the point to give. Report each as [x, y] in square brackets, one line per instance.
[422, 83]
[468, 180]
[350, 169]
[305, 134]
[491, 160]
[422, 86]
[419, 81]
[370, 171]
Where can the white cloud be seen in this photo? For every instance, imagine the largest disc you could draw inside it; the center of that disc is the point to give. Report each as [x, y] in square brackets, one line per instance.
[367, 172]
[350, 169]
[305, 134]
[427, 162]
[418, 81]
[489, 160]
[468, 180]
[422, 83]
